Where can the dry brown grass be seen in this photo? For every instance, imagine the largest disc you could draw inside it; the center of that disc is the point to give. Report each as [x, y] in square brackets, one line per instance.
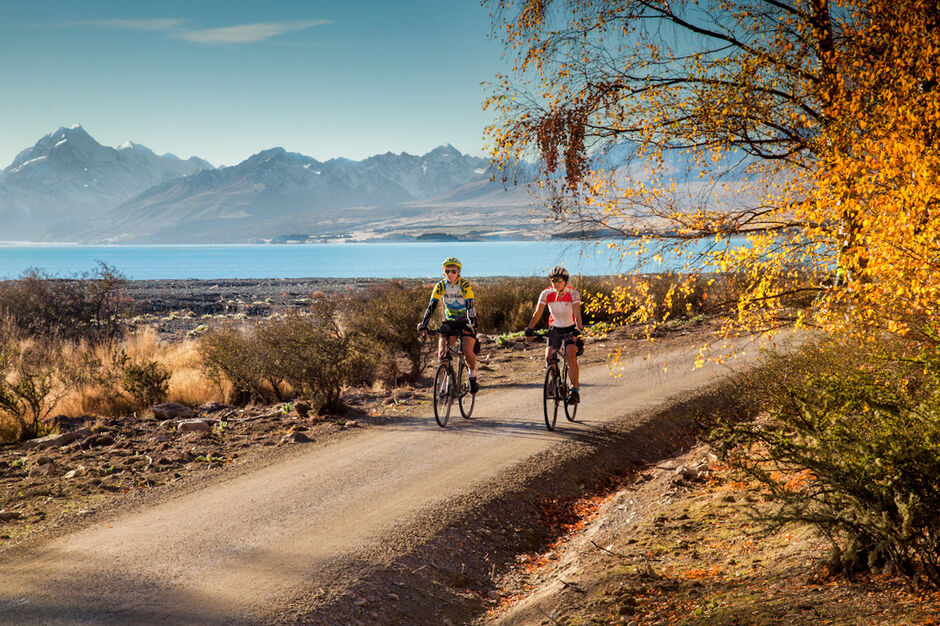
[103, 394]
[188, 383]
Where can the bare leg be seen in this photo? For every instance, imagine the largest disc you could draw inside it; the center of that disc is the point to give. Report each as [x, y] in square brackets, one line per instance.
[571, 355]
[468, 353]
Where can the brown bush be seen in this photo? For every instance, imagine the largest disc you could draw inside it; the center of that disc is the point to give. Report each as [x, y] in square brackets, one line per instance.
[90, 306]
[114, 375]
[34, 376]
[507, 304]
[389, 314]
[310, 353]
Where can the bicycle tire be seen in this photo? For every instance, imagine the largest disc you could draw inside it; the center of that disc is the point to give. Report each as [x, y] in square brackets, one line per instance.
[443, 393]
[570, 409]
[549, 396]
[465, 399]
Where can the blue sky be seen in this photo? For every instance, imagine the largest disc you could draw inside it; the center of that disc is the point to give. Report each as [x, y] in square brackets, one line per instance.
[225, 79]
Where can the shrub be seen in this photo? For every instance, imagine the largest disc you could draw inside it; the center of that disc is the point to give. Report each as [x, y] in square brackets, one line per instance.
[851, 444]
[389, 314]
[507, 304]
[234, 354]
[90, 306]
[33, 378]
[651, 298]
[317, 355]
[148, 383]
[311, 353]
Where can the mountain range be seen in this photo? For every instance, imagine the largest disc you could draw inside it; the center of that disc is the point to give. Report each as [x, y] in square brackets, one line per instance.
[69, 187]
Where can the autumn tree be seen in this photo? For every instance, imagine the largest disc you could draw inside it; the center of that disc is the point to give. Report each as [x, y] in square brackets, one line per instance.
[798, 137]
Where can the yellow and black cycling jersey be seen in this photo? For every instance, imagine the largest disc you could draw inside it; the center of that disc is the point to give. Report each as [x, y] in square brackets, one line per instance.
[457, 299]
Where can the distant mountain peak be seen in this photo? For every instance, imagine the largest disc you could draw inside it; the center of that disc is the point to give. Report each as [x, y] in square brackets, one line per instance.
[67, 175]
[74, 130]
[445, 150]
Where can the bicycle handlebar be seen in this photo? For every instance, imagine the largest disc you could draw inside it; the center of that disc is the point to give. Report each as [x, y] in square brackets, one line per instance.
[543, 334]
[438, 331]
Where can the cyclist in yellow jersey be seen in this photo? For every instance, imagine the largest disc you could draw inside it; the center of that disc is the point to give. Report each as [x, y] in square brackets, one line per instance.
[459, 316]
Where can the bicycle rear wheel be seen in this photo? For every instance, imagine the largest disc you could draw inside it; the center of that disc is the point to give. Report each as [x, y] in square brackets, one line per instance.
[570, 409]
[465, 399]
[443, 393]
[550, 398]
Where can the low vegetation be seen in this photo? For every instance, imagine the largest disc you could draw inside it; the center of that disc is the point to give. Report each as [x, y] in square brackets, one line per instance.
[848, 441]
[90, 306]
[33, 378]
[72, 347]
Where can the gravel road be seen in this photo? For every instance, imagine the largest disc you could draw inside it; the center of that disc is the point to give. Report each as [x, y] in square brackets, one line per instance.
[332, 534]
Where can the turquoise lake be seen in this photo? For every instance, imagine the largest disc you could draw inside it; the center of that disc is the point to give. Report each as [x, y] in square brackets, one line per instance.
[340, 260]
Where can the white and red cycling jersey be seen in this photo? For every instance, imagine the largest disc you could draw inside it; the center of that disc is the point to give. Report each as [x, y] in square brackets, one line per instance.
[560, 306]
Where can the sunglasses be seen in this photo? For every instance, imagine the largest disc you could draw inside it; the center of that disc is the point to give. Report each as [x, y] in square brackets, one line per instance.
[451, 271]
[558, 280]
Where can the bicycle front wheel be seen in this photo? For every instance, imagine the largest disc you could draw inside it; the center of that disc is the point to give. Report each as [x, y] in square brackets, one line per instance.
[550, 397]
[465, 399]
[443, 393]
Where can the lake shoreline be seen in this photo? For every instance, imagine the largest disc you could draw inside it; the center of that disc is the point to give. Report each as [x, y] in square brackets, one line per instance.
[252, 296]
[208, 297]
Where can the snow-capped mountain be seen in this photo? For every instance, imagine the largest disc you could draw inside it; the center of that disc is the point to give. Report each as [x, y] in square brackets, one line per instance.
[276, 184]
[68, 177]
[69, 187]
[441, 170]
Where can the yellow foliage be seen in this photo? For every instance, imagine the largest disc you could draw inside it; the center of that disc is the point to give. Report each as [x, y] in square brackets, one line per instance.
[810, 132]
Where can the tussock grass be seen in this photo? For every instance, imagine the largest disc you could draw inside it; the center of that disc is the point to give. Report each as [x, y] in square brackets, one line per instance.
[101, 391]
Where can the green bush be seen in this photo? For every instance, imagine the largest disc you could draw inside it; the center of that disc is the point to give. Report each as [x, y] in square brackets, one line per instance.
[318, 355]
[148, 383]
[235, 354]
[88, 306]
[850, 444]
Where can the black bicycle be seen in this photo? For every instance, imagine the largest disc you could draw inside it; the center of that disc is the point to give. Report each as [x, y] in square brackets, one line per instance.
[555, 392]
[450, 385]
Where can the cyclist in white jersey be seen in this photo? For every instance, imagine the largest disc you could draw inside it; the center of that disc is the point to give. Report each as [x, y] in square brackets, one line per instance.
[460, 317]
[564, 307]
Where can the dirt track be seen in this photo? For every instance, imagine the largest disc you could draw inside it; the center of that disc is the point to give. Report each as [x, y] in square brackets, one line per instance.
[351, 530]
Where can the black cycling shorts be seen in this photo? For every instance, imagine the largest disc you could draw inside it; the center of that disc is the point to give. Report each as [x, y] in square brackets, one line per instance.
[456, 327]
[556, 335]
[460, 328]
